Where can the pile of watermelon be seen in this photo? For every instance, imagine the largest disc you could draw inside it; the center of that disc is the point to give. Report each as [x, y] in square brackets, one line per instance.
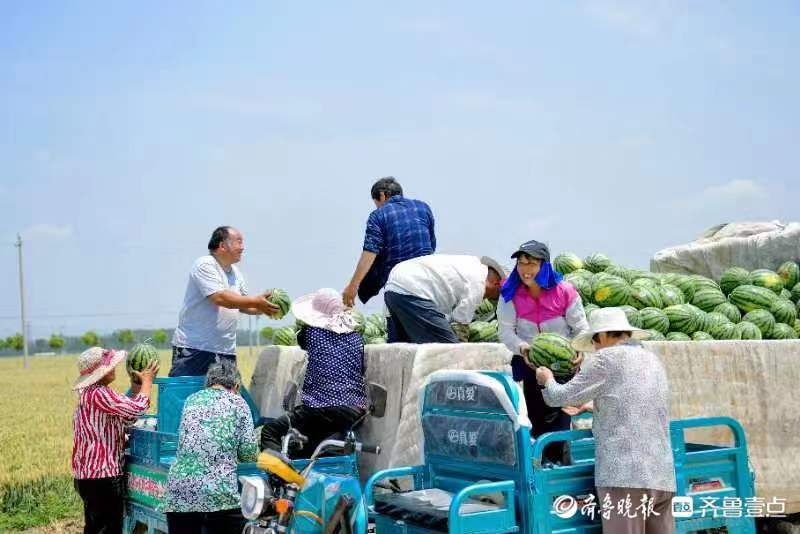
[760, 304]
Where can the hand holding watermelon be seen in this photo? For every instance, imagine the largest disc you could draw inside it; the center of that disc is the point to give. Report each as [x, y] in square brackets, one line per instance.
[543, 375]
[146, 375]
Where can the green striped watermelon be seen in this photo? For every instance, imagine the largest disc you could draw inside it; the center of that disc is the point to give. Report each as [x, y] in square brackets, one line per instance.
[554, 352]
[567, 263]
[580, 272]
[762, 319]
[486, 306]
[748, 330]
[796, 293]
[796, 326]
[612, 291]
[712, 321]
[482, 332]
[622, 272]
[707, 299]
[599, 278]
[280, 298]
[646, 282]
[597, 262]
[784, 311]
[733, 278]
[645, 297]
[583, 286]
[589, 308]
[654, 335]
[375, 340]
[684, 318]
[786, 294]
[360, 321]
[686, 285]
[139, 357]
[670, 278]
[766, 278]
[748, 298]
[730, 311]
[782, 331]
[790, 273]
[285, 336]
[703, 336]
[671, 295]
[701, 282]
[654, 319]
[633, 316]
[725, 331]
[677, 336]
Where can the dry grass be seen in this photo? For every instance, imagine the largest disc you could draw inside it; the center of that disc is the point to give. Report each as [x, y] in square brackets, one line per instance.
[36, 406]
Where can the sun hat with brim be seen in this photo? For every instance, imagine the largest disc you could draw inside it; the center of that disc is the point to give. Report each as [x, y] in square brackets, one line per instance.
[495, 265]
[606, 320]
[95, 363]
[324, 309]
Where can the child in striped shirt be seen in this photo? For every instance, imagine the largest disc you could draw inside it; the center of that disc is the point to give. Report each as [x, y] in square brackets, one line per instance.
[99, 435]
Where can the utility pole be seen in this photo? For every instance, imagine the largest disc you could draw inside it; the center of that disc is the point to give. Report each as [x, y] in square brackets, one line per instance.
[22, 302]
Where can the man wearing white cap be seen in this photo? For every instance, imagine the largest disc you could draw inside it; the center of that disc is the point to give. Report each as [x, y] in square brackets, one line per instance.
[428, 296]
[628, 386]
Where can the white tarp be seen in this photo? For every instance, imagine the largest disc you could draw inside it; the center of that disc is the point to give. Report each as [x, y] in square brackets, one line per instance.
[752, 381]
[752, 245]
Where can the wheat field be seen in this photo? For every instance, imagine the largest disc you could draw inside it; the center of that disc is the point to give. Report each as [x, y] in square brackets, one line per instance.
[36, 406]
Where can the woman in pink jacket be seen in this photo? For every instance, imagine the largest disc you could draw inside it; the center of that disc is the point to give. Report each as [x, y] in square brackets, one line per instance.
[535, 299]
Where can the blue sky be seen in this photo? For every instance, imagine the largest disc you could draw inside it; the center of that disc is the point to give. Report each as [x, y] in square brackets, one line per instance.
[128, 131]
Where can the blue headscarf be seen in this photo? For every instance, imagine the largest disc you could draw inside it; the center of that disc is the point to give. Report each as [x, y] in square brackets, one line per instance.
[548, 278]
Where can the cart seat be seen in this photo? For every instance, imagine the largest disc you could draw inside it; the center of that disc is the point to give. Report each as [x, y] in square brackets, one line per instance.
[428, 508]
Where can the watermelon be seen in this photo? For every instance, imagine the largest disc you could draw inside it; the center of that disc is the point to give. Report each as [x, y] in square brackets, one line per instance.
[782, 331]
[766, 278]
[597, 263]
[482, 332]
[612, 291]
[360, 321]
[372, 330]
[633, 316]
[584, 287]
[378, 321]
[748, 298]
[553, 351]
[285, 336]
[567, 263]
[712, 321]
[684, 318]
[686, 285]
[375, 341]
[733, 278]
[280, 298]
[703, 336]
[701, 282]
[486, 311]
[748, 330]
[790, 273]
[299, 325]
[654, 319]
[725, 331]
[730, 311]
[762, 319]
[646, 282]
[784, 311]
[708, 299]
[796, 293]
[645, 297]
[677, 336]
[139, 357]
[786, 294]
[622, 272]
[796, 326]
[671, 295]
[599, 278]
[655, 335]
[579, 272]
[670, 278]
[589, 308]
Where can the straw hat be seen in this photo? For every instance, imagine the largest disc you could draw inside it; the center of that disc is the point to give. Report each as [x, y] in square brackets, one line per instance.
[606, 320]
[324, 309]
[95, 363]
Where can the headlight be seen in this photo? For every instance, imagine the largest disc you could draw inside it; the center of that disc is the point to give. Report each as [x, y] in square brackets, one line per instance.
[256, 495]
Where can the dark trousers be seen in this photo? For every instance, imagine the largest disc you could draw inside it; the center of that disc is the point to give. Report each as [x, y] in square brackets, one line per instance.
[543, 418]
[316, 424]
[416, 320]
[222, 522]
[193, 362]
[103, 504]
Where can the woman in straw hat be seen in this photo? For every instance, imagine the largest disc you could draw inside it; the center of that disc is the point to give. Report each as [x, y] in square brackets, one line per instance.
[334, 395]
[630, 394]
[99, 435]
[535, 299]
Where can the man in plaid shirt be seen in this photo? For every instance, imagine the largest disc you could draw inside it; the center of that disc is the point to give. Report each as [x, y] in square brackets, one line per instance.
[399, 229]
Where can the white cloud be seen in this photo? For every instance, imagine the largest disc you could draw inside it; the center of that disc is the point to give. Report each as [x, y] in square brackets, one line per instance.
[641, 18]
[45, 231]
[734, 191]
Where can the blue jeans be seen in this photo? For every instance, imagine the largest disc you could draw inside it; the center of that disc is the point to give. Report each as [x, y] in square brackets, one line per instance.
[193, 362]
[416, 320]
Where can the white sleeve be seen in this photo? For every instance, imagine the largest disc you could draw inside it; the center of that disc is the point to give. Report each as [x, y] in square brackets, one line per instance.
[576, 318]
[207, 277]
[507, 326]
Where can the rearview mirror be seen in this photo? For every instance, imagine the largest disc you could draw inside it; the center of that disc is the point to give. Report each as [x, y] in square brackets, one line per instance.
[377, 399]
[289, 396]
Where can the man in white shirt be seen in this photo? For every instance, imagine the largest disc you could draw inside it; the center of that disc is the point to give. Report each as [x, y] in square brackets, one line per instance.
[215, 295]
[425, 295]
